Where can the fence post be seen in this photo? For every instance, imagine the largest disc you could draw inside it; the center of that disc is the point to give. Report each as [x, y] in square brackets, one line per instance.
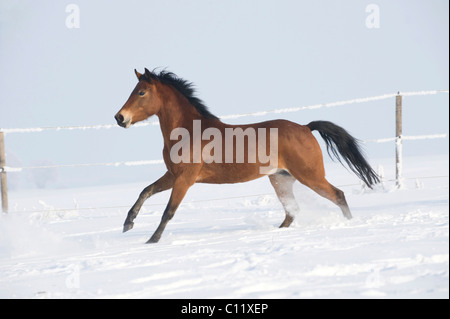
[4, 189]
[398, 141]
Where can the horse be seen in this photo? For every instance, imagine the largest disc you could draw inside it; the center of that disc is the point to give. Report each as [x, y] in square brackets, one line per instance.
[209, 154]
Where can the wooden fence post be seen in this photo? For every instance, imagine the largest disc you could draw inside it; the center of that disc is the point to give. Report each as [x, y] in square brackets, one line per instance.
[398, 141]
[3, 184]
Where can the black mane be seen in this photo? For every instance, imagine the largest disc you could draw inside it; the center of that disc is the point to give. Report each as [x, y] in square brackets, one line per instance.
[186, 88]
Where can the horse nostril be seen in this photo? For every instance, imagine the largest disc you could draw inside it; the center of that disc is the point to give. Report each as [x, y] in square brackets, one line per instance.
[119, 118]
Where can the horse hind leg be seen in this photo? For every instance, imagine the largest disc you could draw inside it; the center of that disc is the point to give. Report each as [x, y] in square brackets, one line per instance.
[341, 202]
[332, 193]
[283, 182]
[315, 179]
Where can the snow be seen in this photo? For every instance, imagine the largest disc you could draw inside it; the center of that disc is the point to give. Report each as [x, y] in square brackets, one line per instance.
[224, 242]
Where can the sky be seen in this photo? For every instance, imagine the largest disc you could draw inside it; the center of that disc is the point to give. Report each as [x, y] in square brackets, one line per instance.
[242, 56]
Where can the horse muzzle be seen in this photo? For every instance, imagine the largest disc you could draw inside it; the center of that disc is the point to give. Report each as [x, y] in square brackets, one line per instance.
[122, 121]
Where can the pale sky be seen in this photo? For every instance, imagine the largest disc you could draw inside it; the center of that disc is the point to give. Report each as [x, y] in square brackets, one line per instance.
[243, 56]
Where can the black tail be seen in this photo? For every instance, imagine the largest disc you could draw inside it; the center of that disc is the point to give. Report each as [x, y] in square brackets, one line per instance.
[338, 141]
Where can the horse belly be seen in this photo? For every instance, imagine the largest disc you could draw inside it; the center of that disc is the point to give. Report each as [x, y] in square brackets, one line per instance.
[219, 173]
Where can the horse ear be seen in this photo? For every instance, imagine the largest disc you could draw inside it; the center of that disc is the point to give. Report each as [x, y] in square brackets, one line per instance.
[137, 74]
[147, 74]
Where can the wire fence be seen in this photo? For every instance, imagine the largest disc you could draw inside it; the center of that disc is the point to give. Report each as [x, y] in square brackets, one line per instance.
[4, 168]
[17, 169]
[7, 169]
[209, 200]
[230, 116]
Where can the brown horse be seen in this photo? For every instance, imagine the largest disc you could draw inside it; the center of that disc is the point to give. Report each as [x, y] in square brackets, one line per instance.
[210, 151]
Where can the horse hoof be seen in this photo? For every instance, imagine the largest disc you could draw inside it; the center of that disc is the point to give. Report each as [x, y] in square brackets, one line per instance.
[127, 227]
[152, 240]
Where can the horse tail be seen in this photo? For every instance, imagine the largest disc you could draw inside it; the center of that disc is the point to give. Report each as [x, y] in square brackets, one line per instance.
[339, 141]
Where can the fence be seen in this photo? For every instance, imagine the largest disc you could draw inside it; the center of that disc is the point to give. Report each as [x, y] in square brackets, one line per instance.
[399, 137]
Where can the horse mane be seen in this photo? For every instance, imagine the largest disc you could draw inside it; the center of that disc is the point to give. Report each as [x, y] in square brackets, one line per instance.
[185, 87]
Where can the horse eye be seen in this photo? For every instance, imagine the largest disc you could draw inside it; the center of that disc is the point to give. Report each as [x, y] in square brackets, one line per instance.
[141, 93]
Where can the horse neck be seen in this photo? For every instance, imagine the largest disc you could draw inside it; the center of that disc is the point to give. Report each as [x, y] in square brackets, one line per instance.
[176, 111]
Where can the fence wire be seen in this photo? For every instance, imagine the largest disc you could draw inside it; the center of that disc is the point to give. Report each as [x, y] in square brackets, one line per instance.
[6, 169]
[230, 116]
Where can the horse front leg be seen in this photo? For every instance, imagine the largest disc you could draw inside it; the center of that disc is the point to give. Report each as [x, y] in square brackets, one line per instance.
[162, 184]
[179, 190]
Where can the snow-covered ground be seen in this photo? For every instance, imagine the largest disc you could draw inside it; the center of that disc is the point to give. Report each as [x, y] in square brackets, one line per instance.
[224, 241]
